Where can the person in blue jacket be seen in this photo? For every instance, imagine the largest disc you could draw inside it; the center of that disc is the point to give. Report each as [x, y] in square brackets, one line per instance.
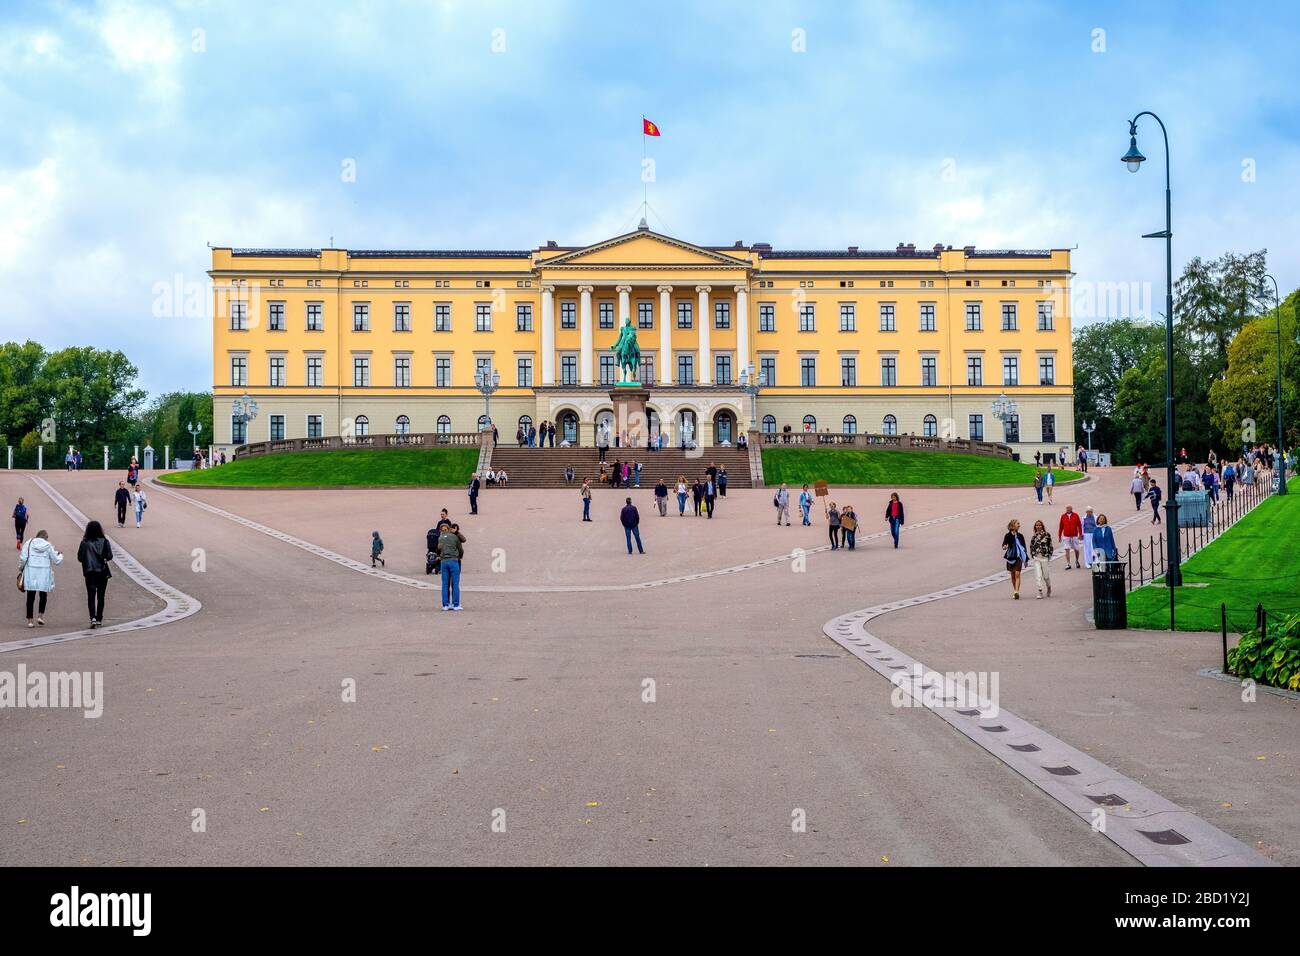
[1103, 541]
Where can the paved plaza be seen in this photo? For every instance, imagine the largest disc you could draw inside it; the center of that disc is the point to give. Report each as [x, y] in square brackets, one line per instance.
[531, 706]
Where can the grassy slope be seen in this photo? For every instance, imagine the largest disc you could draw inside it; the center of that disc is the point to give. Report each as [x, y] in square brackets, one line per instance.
[851, 466]
[395, 468]
[1257, 560]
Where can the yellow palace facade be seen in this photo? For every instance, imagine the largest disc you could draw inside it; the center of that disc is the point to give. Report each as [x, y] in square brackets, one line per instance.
[904, 341]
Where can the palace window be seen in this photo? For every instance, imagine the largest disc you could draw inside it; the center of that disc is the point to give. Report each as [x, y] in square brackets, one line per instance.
[442, 371]
[1049, 428]
[238, 430]
[1012, 427]
[401, 316]
[808, 371]
[722, 370]
[767, 370]
[848, 371]
[1046, 370]
[238, 370]
[807, 317]
[444, 425]
[769, 424]
[647, 367]
[361, 317]
[722, 315]
[975, 427]
[767, 317]
[927, 317]
[276, 378]
[239, 316]
[568, 315]
[482, 367]
[974, 321]
[277, 428]
[605, 311]
[810, 423]
[683, 315]
[850, 425]
[974, 370]
[483, 317]
[524, 317]
[887, 319]
[930, 427]
[315, 426]
[315, 371]
[608, 370]
[315, 319]
[1010, 370]
[442, 317]
[888, 371]
[568, 370]
[402, 371]
[360, 371]
[890, 425]
[1009, 320]
[645, 317]
[929, 371]
[685, 370]
[524, 371]
[1046, 320]
[402, 426]
[275, 316]
[361, 426]
[848, 317]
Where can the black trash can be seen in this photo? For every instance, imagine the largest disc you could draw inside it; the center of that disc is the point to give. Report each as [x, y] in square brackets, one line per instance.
[1109, 595]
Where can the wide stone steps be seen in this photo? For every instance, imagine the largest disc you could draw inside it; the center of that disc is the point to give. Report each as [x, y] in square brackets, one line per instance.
[544, 467]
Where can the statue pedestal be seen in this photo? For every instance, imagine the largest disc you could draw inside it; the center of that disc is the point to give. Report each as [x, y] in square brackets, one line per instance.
[631, 422]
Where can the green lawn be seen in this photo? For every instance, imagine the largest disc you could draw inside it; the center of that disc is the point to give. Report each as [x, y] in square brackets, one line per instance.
[897, 469]
[1256, 561]
[384, 468]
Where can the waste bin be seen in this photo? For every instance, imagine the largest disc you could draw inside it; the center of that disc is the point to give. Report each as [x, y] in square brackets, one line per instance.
[1109, 595]
[1193, 509]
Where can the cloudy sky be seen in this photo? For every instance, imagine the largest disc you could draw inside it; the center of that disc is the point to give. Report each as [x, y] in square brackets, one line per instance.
[138, 131]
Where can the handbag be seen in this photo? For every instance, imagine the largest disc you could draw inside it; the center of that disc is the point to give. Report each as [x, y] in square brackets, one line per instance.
[21, 587]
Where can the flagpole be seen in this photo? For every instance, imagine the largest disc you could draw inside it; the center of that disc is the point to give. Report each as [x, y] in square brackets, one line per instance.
[645, 187]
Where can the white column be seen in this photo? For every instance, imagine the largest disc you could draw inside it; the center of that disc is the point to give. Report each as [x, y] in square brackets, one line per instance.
[665, 335]
[548, 335]
[705, 375]
[742, 328]
[40, 457]
[584, 318]
[106, 458]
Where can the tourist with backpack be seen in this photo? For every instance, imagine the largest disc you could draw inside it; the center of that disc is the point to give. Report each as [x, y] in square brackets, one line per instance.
[1015, 554]
[20, 521]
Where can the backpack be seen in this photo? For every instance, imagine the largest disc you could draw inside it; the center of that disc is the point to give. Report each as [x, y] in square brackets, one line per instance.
[776, 500]
[1012, 554]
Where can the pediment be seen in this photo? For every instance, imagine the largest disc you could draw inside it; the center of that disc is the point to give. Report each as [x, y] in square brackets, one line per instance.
[642, 248]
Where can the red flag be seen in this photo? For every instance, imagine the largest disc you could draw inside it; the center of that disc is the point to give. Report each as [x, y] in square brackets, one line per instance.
[648, 128]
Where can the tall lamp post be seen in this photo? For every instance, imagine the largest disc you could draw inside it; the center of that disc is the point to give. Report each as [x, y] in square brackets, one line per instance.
[751, 384]
[1004, 409]
[1134, 159]
[1088, 430]
[487, 381]
[1281, 444]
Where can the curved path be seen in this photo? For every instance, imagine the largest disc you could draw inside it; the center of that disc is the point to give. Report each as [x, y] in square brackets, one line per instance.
[177, 605]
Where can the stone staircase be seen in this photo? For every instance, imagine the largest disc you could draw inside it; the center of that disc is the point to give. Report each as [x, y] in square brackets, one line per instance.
[544, 467]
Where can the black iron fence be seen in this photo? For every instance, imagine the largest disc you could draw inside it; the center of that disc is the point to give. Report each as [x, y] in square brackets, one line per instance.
[1148, 561]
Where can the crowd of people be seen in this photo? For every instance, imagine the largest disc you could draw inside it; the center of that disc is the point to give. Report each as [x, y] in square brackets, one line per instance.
[1087, 541]
[1218, 477]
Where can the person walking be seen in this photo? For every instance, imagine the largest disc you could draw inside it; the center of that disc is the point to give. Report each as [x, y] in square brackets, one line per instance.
[1049, 482]
[451, 551]
[661, 497]
[602, 442]
[1089, 525]
[710, 495]
[697, 497]
[36, 562]
[630, 518]
[138, 498]
[585, 493]
[121, 500]
[1103, 542]
[681, 496]
[722, 481]
[849, 526]
[894, 515]
[1229, 481]
[833, 521]
[1153, 495]
[1038, 485]
[1070, 531]
[1137, 488]
[1040, 556]
[474, 486]
[376, 549]
[1014, 554]
[617, 477]
[93, 554]
[636, 473]
[133, 471]
[782, 502]
[805, 504]
[20, 521]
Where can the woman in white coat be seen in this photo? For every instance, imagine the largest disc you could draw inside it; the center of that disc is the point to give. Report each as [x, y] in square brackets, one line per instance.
[37, 563]
[137, 497]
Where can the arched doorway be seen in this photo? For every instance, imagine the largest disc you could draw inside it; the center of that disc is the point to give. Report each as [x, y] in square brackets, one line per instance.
[687, 428]
[724, 428]
[569, 427]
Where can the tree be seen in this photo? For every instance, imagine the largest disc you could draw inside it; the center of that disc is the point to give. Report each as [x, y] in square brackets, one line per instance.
[1214, 300]
[90, 395]
[1103, 352]
[21, 397]
[1244, 401]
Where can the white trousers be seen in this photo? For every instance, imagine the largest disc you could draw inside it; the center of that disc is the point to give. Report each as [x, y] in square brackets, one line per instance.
[1087, 550]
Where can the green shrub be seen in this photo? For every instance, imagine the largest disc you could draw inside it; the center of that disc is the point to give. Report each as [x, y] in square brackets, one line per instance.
[1271, 658]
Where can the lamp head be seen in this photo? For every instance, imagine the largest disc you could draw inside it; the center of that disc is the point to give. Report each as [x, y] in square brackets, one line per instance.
[1133, 159]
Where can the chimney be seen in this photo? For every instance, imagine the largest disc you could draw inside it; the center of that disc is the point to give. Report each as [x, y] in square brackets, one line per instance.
[740, 244]
[901, 248]
[853, 249]
[938, 247]
[762, 247]
[911, 248]
[551, 244]
[968, 249]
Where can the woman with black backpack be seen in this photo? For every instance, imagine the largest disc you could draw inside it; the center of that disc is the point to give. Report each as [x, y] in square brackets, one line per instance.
[1015, 554]
[93, 554]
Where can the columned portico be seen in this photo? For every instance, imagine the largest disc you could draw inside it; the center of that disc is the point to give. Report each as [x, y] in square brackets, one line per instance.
[665, 335]
[742, 326]
[705, 375]
[624, 303]
[548, 335]
[586, 359]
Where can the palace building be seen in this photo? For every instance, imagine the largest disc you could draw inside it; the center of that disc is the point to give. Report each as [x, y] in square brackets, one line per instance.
[919, 341]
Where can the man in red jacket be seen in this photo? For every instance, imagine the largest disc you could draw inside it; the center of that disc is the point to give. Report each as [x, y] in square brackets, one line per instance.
[1071, 534]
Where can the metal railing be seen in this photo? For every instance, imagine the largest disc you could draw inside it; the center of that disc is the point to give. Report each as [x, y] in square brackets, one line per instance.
[864, 440]
[409, 440]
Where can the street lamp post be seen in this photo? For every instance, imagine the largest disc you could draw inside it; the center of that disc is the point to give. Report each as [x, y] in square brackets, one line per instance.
[1004, 409]
[1281, 444]
[1134, 159]
[1088, 430]
[487, 381]
[752, 384]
